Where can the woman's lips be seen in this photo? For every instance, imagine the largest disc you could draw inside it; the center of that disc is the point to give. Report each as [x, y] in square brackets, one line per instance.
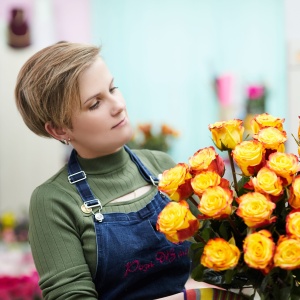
[121, 123]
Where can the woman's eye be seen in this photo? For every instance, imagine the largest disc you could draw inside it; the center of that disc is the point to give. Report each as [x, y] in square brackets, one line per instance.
[113, 88]
[95, 105]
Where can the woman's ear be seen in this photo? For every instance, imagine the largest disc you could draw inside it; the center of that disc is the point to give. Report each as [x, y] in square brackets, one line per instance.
[57, 133]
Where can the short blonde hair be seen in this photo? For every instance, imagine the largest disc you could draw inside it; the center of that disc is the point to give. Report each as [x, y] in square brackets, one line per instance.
[47, 85]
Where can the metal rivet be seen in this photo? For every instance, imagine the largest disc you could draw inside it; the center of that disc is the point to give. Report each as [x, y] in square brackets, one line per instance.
[85, 209]
[99, 217]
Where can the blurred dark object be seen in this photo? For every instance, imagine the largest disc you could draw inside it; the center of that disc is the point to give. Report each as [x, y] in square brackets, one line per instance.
[255, 105]
[256, 99]
[18, 29]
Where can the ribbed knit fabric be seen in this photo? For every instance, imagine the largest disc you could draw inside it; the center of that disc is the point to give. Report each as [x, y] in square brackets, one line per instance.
[62, 236]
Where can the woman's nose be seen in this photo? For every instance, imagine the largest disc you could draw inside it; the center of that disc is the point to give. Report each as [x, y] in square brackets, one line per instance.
[118, 105]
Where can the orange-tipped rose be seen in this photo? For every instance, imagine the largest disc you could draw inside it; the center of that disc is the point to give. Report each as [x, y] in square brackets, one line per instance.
[271, 138]
[266, 181]
[293, 224]
[204, 180]
[298, 142]
[259, 250]
[176, 182]
[145, 129]
[287, 253]
[216, 202]
[255, 209]
[249, 156]
[265, 120]
[294, 199]
[219, 255]
[284, 165]
[167, 130]
[206, 159]
[226, 135]
[177, 222]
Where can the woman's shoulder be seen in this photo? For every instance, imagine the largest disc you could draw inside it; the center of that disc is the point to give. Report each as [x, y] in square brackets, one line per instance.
[55, 188]
[59, 178]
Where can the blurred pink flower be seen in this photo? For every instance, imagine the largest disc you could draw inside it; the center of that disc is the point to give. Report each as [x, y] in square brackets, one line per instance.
[255, 92]
[23, 287]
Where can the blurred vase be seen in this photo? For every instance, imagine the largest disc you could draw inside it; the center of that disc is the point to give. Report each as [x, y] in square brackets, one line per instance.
[18, 29]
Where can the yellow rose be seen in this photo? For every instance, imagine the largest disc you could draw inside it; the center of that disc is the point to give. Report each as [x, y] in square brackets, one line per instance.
[266, 181]
[299, 129]
[271, 138]
[265, 120]
[298, 142]
[219, 255]
[255, 209]
[249, 155]
[204, 180]
[176, 182]
[284, 165]
[177, 222]
[226, 135]
[293, 224]
[287, 253]
[206, 159]
[259, 250]
[294, 199]
[216, 202]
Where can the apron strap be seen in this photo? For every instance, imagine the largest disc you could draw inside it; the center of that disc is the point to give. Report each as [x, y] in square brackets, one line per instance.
[78, 177]
[146, 174]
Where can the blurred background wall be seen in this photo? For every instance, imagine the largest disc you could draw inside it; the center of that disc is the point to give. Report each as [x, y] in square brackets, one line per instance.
[165, 57]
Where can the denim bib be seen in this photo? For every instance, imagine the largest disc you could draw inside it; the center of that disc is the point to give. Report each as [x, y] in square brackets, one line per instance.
[134, 260]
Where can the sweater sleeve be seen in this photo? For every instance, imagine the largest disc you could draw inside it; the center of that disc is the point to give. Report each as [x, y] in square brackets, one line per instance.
[54, 236]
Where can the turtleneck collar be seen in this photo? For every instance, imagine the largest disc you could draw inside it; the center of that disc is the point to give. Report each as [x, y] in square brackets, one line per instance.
[104, 164]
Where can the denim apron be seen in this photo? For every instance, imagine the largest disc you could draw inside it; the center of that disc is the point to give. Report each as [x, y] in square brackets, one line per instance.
[134, 260]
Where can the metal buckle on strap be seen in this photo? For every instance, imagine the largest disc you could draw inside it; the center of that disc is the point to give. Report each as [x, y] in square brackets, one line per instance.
[92, 203]
[154, 181]
[74, 180]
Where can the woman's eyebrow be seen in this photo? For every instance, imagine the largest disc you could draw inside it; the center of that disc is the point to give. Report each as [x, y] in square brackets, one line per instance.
[98, 94]
[90, 98]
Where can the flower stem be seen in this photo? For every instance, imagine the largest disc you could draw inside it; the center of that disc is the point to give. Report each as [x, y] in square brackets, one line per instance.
[193, 201]
[233, 171]
[232, 224]
[198, 238]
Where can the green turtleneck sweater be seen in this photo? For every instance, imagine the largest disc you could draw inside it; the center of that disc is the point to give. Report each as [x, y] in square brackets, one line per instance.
[62, 236]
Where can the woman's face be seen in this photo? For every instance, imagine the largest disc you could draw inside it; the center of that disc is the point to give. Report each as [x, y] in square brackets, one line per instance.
[102, 125]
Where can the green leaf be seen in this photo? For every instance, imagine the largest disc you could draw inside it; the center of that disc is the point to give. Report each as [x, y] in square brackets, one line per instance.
[229, 275]
[195, 253]
[284, 294]
[241, 183]
[295, 292]
[223, 230]
[197, 273]
[207, 233]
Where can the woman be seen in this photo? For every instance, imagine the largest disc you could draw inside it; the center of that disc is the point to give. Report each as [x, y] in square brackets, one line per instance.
[92, 225]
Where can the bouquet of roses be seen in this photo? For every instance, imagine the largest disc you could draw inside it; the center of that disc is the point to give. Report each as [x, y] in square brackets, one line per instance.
[245, 233]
